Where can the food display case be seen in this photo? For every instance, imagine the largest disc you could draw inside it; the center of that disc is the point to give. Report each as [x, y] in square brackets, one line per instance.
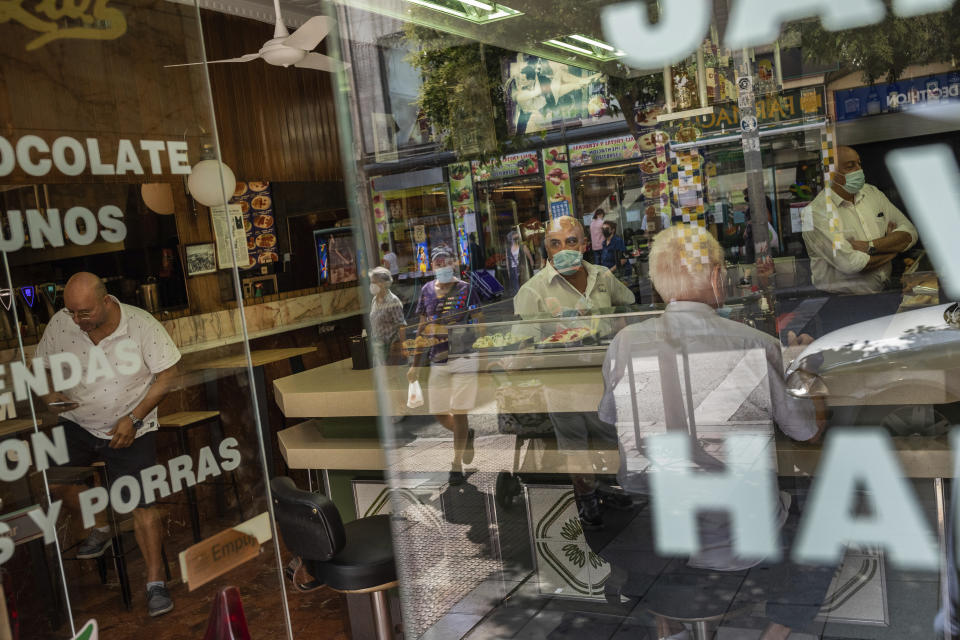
[575, 340]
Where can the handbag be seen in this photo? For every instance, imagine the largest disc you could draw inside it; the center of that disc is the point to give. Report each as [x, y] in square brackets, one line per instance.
[518, 397]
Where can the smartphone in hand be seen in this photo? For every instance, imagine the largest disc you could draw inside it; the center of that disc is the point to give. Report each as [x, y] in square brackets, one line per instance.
[64, 404]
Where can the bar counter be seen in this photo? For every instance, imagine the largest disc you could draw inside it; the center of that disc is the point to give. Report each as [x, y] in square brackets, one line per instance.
[336, 392]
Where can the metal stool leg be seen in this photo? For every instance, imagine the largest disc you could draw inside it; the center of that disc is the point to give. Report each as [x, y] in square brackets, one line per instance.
[701, 631]
[381, 614]
[166, 564]
[191, 491]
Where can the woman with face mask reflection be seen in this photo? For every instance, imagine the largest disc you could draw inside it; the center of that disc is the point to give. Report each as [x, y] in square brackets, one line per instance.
[613, 249]
[386, 317]
[452, 389]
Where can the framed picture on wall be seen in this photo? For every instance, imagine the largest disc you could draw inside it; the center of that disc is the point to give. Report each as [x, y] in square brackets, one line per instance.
[199, 259]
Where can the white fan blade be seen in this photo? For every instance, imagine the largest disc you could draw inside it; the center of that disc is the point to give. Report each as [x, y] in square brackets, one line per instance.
[310, 33]
[320, 62]
[246, 58]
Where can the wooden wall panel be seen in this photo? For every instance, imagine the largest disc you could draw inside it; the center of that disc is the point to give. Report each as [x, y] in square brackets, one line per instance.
[275, 124]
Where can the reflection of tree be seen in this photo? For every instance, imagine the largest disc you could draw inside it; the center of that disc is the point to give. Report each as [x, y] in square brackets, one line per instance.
[454, 73]
[884, 50]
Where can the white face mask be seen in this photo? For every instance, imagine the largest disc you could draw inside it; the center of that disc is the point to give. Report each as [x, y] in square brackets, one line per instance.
[444, 274]
[374, 289]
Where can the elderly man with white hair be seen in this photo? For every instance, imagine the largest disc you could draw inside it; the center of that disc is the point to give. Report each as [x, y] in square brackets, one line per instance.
[691, 371]
[569, 286]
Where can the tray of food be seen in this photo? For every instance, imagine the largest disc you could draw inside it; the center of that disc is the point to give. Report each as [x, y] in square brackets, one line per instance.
[501, 342]
[575, 337]
[418, 345]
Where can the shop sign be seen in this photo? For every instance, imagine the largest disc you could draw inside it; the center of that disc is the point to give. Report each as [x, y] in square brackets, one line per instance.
[67, 20]
[557, 185]
[43, 451]
[218, 554]
[33, 156]
[511, 166]
[771, 109]
[600, 151]
[896, 96]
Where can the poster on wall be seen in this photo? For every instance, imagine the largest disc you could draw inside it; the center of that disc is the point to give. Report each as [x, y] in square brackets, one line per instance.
[322, 243]
[557, 184]
[229, 235]
[544, 94]
[461, 192]
[342, 259]
[256, 201]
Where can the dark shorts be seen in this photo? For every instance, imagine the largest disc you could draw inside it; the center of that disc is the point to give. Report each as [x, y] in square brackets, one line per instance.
[86, 448]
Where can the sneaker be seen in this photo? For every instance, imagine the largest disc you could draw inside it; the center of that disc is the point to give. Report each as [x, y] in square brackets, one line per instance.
[468, 450]
[588, 509]
[611, 499]
[159, 601]
[457, 478]
[95, 545]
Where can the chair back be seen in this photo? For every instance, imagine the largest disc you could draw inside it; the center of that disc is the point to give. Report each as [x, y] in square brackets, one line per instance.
[309, 522]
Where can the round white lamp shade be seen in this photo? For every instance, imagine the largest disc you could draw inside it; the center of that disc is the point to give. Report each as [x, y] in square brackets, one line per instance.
[210, 182]
[158, 196]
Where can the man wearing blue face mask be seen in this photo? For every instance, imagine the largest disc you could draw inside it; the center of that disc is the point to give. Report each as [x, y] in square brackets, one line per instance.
[568, 283]
[568, 286]
[872, 232]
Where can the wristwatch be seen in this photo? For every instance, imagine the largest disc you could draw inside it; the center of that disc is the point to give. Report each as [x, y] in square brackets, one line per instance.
[137, 422]
[871, 250]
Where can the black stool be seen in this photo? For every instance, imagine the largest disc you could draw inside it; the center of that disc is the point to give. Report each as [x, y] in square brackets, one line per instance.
[352, 558]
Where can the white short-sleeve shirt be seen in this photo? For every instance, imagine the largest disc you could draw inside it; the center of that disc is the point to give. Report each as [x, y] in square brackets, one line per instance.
[134, 353]
[839, 269]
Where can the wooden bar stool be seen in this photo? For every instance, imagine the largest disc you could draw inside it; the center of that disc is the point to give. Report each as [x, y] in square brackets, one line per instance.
[181, 423]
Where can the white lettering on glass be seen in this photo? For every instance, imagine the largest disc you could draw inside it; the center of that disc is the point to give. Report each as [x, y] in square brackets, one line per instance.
[757, 22]
[680, 29]
[863, 459]
[929, 180]
[745, 491]
[752, 23]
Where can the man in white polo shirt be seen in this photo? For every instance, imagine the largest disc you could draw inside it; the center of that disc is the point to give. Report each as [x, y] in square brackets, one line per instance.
[111, 415]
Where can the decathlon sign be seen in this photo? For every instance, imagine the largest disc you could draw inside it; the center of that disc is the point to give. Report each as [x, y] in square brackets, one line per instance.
[684, 23]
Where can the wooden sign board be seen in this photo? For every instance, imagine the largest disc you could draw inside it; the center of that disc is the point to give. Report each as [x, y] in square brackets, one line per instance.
[218, 554]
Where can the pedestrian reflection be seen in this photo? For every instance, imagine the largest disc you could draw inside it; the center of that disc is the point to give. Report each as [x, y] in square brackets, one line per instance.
[691, 371]
[386, 318]
[452, 386]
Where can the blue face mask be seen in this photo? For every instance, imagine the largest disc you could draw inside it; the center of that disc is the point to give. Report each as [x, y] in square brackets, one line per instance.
[444, 274]
[567, 262]
[854, 181]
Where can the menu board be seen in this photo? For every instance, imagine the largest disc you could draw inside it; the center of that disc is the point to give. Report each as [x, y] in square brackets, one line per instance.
[227, 223]
[256, 202]
[609, 150]
[510, 166]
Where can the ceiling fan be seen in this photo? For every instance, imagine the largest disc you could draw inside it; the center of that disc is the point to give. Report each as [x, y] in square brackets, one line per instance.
[287, 49]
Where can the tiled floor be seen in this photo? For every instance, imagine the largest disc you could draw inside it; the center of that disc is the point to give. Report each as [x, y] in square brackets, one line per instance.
[319, 614]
